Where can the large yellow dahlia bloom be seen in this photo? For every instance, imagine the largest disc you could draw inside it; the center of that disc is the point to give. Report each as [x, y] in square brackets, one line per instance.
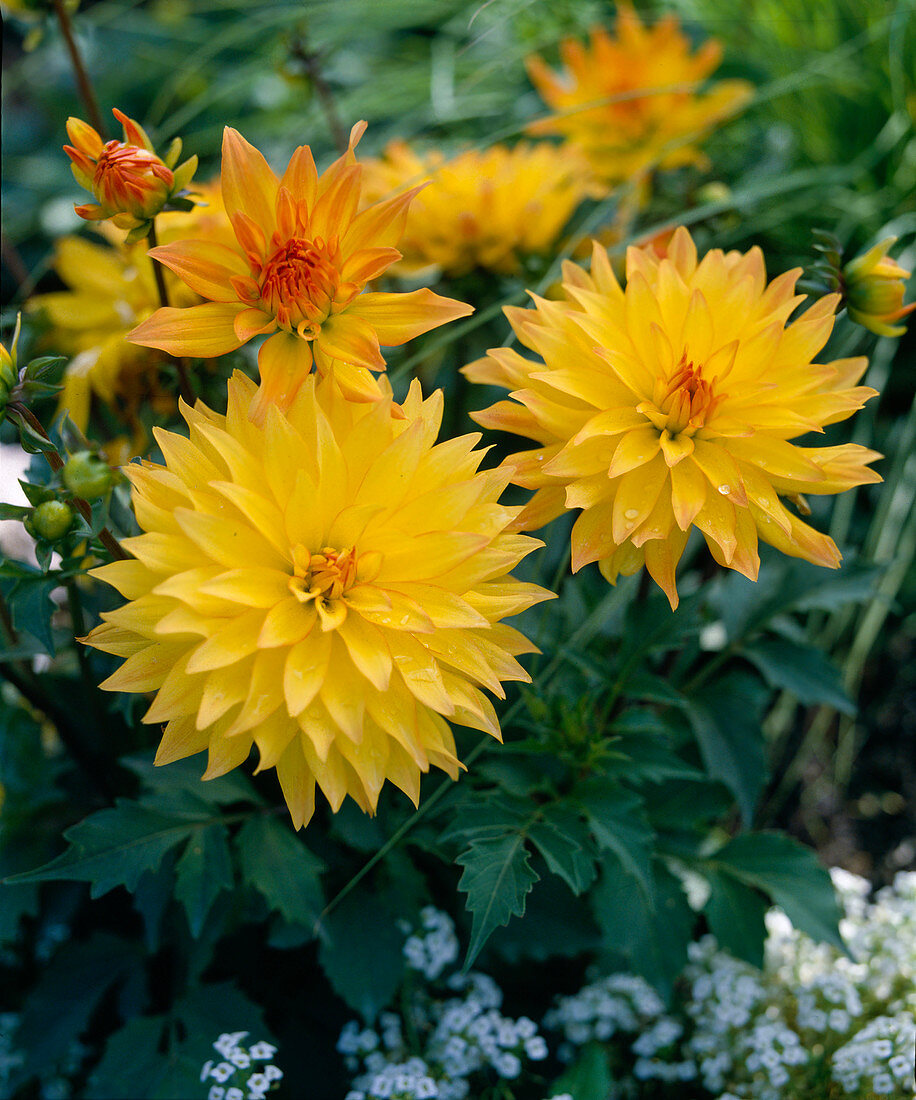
[631, 103]
[327, 584]
[303, 257]
[670, 405]
[486, 209]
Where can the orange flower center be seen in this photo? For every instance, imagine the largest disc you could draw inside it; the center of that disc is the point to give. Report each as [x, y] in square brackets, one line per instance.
[298, 284]
[686, 400]
[130, 178]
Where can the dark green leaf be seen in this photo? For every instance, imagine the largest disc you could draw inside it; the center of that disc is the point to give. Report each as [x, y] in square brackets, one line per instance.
[276, 863]
[14, 511]
[477, 817]
[589, 1077]
[790, 874]
[184, 775]
[562, 839]
[618, 823]
[801, 669]
[203, 871]
[131, 1064]
[726, 721]
[496, 878]
[41, 366]
[654, 689]
[556, 924]
[735, 915]
[32, 607]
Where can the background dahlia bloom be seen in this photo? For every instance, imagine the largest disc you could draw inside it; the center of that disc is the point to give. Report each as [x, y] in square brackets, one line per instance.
[600, 107]
[481, 209]
[670, 405]
[328, 585]
[302, 258]
[129, 182]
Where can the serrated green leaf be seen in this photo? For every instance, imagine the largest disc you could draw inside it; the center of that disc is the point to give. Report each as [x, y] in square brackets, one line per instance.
[362, 952]
[618, 823]
[131, 1064]
[801, 669]
[202, 872]
[727, 723]
[562, 839]
[497, 876]
[791, 875]
[556, 925]
[184, 775]
[478, 817]
[115, 847]
[276, 863]
[735, 913]
[589, 1077]
[31, 608]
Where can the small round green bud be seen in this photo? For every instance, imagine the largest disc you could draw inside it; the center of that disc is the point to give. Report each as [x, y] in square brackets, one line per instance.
[87, 476]
[50, 520]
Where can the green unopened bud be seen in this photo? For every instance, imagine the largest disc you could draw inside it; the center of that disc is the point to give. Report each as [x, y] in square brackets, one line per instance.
[875, 288]
[87, 475]
[50, 521]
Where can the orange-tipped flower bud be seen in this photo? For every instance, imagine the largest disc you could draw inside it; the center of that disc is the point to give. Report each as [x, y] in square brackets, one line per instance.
[875, 289]
[130, 183]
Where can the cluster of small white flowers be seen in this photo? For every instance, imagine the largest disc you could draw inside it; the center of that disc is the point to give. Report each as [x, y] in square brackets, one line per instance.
[879, 1060]
[435, 946]
[618, 1003]
[235, 1059]
[458, 1024]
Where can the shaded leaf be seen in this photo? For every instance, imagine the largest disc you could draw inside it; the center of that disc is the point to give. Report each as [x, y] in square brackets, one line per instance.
[497, 876]
[562, 839]
[276, 863]
[735, 913]
[618, 823]
[589, 1077]
[202, 872]
[801, 669]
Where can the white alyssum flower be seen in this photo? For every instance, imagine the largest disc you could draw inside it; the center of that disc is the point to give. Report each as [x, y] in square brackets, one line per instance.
[237, 1059]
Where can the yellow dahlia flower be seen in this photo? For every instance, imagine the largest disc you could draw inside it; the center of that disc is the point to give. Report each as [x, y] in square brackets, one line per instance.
[670, 405]
[129, 182]
[327, 584]
[480, 209]
[630, 102]
[111, 289]
[302, 259]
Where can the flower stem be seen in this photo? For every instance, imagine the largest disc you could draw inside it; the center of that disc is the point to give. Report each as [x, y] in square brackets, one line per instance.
[310, 60]
[87, 92]
[184, 374]
[111, 544]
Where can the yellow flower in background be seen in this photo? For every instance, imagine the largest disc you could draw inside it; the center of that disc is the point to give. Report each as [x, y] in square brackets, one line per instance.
[327, 584]
[484, 209]
[303, 257]
[631, 103]
[874, 285]
[112, 289]
[129, 182]
[670, 405]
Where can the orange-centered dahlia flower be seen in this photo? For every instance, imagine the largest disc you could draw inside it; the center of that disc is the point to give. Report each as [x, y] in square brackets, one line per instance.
[303, 257]
[130, 183]
[670, 405]
[485, 209]
[327, 584]
[631, 103]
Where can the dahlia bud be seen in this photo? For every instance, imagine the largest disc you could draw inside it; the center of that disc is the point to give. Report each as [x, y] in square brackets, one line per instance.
[874, 289]
[9, 370]
[86, 475]
[130, 183]
[50, 520]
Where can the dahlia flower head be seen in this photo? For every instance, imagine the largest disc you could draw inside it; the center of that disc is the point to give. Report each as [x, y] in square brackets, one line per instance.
[129, 182]
[327, 584]
[111, 288]
[631, 102]
[671, 404]
[481, 209]
[875, 288]
[303, 255]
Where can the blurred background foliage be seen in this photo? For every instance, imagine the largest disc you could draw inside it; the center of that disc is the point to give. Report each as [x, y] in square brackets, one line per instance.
[669, 708]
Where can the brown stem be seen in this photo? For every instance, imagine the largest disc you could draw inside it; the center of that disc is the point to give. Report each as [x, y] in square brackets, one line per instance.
[87, 92]
[310, 59]
[184, 373]
[56, 463]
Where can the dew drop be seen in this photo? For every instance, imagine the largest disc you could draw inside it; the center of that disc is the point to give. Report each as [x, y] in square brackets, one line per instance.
[405, 619]
[725, 490]
[540, 458]
[630, 513]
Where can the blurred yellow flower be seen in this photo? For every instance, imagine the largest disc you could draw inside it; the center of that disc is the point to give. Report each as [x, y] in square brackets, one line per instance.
[874, 285]
[485, 209]
[631, 103]
[670, 405]
[327, 584]
[112, 289]
[129, 182]
[303, 257]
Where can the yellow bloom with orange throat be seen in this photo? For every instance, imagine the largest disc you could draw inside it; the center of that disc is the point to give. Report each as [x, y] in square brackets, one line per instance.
[671, 404]
[632, 102]
[327, 584]
[303, 256]
[487, 209]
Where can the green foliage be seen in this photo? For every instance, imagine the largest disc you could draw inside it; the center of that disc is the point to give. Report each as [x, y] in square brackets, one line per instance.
[278, 865]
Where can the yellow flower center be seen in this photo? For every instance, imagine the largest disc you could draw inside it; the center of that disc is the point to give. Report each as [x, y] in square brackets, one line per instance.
[298, 284]
[326, 576]
[685, 401]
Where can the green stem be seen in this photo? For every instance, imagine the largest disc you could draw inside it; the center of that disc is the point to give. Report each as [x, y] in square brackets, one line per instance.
[87, 92]
[184, 373]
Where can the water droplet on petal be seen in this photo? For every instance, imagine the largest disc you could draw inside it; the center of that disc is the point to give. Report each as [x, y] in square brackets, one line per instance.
[725, 490]
[630, 513]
